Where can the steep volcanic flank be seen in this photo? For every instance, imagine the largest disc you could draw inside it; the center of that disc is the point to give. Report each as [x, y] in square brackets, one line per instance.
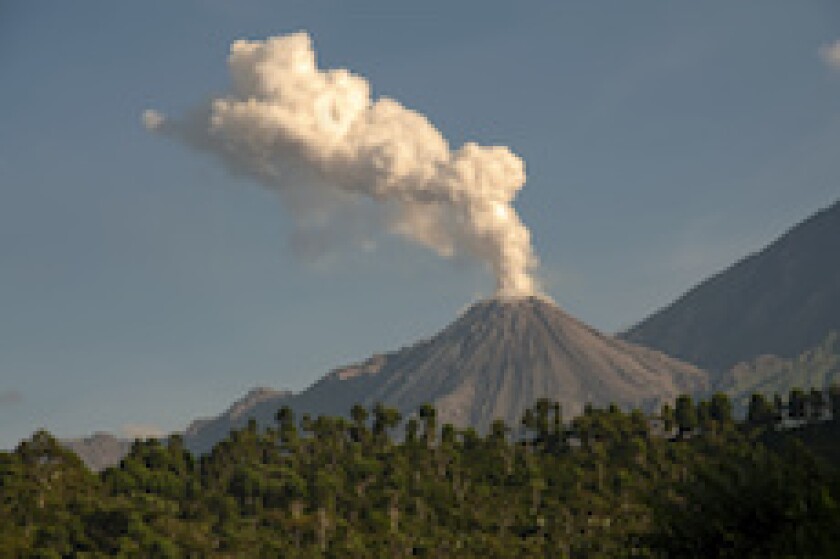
[493, 362]
[498, 358]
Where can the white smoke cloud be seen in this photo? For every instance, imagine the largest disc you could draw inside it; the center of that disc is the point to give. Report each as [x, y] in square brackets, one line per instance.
[318, 138]
[831, 54]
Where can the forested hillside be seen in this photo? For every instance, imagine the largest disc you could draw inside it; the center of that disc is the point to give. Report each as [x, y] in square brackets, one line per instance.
[688, 483]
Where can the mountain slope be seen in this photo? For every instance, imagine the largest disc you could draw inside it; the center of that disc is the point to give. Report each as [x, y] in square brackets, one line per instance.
[100, 450]
[260, 403]
[781, 301]
[499, 357]
[493, 362]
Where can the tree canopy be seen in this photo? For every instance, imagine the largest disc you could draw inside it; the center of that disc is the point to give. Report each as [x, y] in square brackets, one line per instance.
[603, 485]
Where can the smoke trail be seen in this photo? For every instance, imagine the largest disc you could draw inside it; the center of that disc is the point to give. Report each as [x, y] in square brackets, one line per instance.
[318, 138]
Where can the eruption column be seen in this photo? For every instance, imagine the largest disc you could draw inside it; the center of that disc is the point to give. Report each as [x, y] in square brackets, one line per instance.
[318, 138]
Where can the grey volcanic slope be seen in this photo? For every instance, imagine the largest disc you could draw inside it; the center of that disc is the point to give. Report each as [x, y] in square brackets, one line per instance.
[780, 301]
[493, 362]
[259, 403]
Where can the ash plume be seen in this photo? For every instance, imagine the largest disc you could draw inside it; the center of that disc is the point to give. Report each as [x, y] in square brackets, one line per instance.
[320, 140]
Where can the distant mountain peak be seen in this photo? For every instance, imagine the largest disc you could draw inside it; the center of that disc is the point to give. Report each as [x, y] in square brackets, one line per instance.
[99, 450]
[781, 301]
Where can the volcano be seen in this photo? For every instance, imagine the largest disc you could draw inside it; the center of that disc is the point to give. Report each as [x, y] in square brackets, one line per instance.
[492, 362]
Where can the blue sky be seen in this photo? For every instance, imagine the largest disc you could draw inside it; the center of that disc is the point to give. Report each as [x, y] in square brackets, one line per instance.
[142, 285]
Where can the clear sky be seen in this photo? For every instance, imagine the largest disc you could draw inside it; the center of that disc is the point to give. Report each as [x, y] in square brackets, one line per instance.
[141, 285]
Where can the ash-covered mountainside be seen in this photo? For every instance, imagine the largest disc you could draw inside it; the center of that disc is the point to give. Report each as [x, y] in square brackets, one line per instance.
[493, 362]
[780, 301]
[498, 358]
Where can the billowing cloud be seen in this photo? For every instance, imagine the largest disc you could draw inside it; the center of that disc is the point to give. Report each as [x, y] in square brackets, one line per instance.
[831, 54]
[318, 138]
[10, 397]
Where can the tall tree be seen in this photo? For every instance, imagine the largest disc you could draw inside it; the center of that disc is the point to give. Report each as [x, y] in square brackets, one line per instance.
[359, 415]
[797, 404]
[428, 414]
[384, 418]
[720, 408]
[686, 415]
[760, 411]
[834, 401]
[667, 417]
[816, 404]
[779, 408]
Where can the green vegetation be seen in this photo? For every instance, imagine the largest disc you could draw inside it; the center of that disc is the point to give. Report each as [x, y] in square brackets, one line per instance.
[608, 484]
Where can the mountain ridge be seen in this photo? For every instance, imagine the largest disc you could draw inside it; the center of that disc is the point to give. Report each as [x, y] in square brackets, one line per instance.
[780, 300]
[817, 367]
